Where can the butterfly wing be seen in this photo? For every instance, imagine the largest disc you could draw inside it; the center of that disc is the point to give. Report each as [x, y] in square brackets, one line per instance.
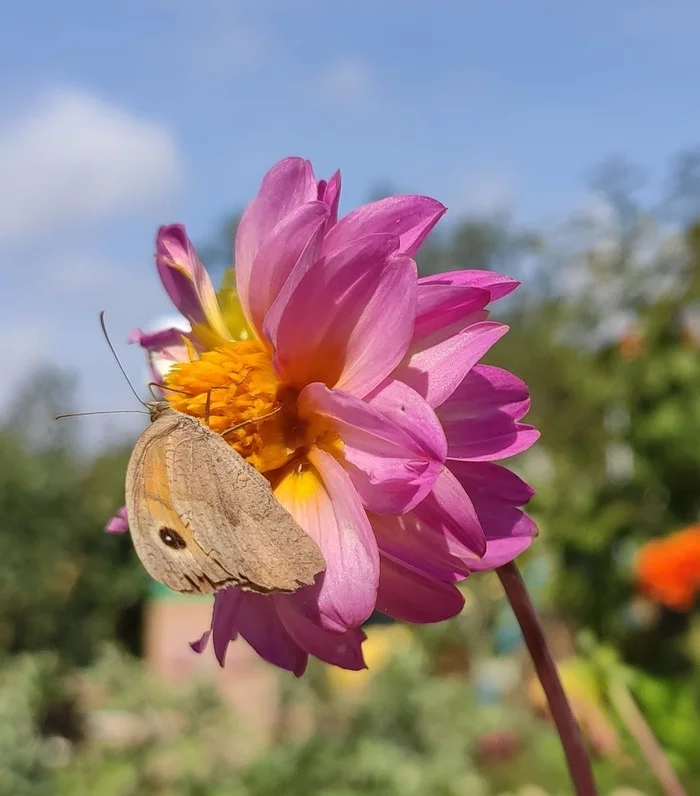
[163, 540]
[234, 516]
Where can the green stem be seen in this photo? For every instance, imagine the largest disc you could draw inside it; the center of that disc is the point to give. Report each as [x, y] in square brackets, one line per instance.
[576, 755]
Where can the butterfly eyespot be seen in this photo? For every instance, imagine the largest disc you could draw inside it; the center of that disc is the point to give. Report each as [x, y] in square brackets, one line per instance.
[172, 538]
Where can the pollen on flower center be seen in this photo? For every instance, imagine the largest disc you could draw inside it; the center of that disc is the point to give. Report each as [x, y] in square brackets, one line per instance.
[246, 400]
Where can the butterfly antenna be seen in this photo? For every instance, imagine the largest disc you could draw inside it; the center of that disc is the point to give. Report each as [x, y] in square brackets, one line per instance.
[106, 412]
[118, 361]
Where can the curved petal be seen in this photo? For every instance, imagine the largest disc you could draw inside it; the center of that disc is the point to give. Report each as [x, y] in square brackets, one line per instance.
[434, 552]
[322, 499]
[411, 218]
[412, 597]
[329, 192]
[348, 321]
[187, 282]
[408, 410]
[442, 306]
[165, 347]
[480, 417]
[484, 391]
[294, 241]
[260, 625]
[497, 285]
[339, 649]
[492, 480]
[388, 467]
[228, 605]
[435, 368]
[289, 184]
[119, 523]
[496, 494]
[449, 510]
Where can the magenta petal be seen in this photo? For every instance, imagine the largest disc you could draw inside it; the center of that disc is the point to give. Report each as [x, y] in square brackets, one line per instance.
[407, 409]
[339, 649]
[441, 306]
[496, 493]
[493, 481]
[224, 621]
[186, 280]
[344, 594]
[449, 510]
[497, 285]
[411, 218]
[165, 348]
[260, 625]
[329, 192]
[349, 321]
[494, 437]
[388, 467]
[434, 552]
[118, 523]
[436, 368]
[201, 644]
[289, 184]
[411, 597]
[297, 235]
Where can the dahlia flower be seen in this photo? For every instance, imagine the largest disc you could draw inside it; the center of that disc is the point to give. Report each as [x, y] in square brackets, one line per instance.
[368, 411]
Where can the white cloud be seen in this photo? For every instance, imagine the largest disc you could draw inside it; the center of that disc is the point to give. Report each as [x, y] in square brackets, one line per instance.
[348, 83]
[73, 157]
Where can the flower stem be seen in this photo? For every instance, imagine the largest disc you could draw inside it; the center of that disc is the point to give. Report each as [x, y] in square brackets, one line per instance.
[639, 729]
[576, 756]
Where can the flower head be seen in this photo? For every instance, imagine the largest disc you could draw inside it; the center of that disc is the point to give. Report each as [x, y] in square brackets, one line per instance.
[668, 569]
[354, 386]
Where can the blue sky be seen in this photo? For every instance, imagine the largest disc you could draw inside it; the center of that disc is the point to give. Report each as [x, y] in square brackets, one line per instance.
[117, 117]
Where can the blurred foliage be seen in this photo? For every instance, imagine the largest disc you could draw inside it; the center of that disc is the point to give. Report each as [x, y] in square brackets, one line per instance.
[65, 585]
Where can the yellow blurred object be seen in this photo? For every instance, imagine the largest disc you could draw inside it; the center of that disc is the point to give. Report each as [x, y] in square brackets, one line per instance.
[383, 643]
[586, 700]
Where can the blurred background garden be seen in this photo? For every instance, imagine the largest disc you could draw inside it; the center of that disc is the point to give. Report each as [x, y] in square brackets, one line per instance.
[99, 690]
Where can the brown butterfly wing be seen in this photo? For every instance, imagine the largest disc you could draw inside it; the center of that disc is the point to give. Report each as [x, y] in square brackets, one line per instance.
[163, 541]
[233, 514]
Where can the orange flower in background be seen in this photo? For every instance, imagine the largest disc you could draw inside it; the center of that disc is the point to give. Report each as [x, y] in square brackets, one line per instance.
[668, 569]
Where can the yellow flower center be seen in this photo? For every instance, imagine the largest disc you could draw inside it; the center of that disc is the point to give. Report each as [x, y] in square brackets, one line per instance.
[247, 403]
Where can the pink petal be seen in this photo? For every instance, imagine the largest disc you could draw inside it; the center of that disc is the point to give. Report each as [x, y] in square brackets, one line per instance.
[449, 510]
[339, 649]
[435, 368]
[493, 480]
[388, 467]
[496, 436]
[201, 643]
[408, 410]
[289, 184]
[260, 625]
[480, 416]
[411, 218]
[186, 280]
[441, 306]
[228, 605]
[296, 238]
[119, 523]
[496, 493]
[434, 552]
[329, 192]
[497, 285]
[412, 597]
[330, 511]
[348, 321]
[165, 347]
[486, 390]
